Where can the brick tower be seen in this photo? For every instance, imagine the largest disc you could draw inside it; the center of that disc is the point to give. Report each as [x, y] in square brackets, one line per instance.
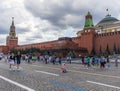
[12, 40]
[87, 36]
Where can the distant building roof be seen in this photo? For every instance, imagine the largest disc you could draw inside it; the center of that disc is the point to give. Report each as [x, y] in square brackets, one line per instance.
[108, 18]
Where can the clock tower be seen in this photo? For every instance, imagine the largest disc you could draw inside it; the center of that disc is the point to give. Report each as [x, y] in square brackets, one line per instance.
[12, 39]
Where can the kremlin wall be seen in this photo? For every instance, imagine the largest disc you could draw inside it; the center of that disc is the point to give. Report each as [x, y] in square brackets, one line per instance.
[105, 34]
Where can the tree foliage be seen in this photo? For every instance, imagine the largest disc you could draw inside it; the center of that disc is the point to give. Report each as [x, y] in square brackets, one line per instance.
[93, 52]
[100, 51]
[26, 51]
[107, 51]
[114, 49]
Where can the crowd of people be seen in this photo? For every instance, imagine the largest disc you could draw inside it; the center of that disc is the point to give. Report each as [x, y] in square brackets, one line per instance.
[102, 62]
[88, 62]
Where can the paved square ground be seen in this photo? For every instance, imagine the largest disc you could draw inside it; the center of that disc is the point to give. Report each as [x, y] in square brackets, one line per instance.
[48, 77]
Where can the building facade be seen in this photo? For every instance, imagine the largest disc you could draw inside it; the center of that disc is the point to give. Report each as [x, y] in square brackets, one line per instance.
[103, 36]
[99, 38]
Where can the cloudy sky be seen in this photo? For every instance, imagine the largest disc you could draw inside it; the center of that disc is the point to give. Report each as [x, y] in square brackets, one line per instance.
[45, 20]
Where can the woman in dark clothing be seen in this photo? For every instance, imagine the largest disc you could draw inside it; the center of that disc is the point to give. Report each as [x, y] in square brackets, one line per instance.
[108, 62]
[82, 60]
[18, 57]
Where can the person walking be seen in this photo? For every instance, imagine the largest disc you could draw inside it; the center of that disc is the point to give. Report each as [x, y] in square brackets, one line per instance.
[60, 60]
[102, 62]
[70, 59]
[88, 59]
[82, 60]
[108, 62]
[6, 58]
[11, 60]
[18, 57]
[116, 62]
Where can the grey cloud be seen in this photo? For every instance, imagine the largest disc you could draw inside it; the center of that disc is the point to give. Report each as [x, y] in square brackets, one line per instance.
[34, 39]
[60, 15]
[46, 29]
[3, 31]
[55, 13]
[29, 40]
[37, 36]
[52, 29]
[2, 41]
[21, 30]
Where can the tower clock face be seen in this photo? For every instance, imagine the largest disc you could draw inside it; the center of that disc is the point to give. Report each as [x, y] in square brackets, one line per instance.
[12, 34]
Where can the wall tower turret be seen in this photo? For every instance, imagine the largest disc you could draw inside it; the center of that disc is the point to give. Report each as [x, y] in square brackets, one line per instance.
[88, 33]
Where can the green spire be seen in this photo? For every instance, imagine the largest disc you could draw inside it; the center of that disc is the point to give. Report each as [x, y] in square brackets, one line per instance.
[88, 21]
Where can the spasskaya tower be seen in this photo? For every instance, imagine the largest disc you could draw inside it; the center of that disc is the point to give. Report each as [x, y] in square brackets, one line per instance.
[12, 39]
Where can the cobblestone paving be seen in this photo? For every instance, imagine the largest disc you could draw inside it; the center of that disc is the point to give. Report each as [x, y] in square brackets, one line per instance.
[74, 80]
[5, 86]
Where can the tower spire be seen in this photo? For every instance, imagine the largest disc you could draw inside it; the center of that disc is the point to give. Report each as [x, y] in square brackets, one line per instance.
[12, 29]
[12, 21]
[88, 21]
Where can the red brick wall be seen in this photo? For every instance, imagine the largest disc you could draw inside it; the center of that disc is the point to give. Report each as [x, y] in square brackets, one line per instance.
[91, 39]
[87, 40]
[12, 43]
[4, 49]
[76, 39]
[42, 46]
[107, 38]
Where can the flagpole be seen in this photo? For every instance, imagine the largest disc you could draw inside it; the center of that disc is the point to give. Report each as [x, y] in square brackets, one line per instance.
[107, 11]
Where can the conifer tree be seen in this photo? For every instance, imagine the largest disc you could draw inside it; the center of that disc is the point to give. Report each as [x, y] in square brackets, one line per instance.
[118, 50]
[107, 51]
[93, 52]
[100, 51]
[114, 49]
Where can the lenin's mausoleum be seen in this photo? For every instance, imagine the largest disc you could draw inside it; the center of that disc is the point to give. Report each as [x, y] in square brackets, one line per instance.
[102, 37]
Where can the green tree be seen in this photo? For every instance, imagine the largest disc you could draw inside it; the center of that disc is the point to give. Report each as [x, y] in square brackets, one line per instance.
[22, 51]
[71, 53]
[114, 49]
[107, 52]
[45, 53]
[92, 52]
[100, 51]
[37, 50]
[55, 54]
[118, 50]
[13, 51]
[27, 51]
